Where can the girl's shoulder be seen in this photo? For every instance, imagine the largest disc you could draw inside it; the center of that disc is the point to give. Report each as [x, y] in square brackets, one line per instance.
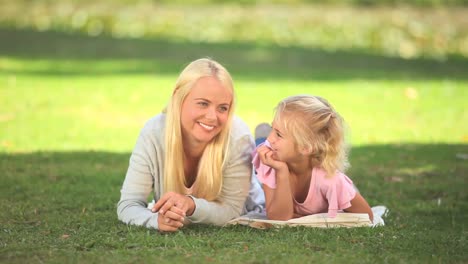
[322, 179]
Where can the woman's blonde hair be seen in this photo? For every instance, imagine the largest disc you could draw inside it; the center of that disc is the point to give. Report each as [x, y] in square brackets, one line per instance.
[209, 176]
[316, 129]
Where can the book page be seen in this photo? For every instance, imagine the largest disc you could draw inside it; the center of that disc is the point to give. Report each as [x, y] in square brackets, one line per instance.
[258, 220]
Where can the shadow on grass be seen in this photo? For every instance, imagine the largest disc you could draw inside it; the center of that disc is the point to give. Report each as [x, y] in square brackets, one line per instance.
[61, 206]
[244, 60]
[407, 178]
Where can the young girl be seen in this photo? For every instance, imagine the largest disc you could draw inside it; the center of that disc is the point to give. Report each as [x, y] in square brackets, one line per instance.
[301, 162]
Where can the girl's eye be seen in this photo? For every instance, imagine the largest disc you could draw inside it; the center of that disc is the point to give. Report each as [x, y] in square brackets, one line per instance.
[203, 103]
[278, 134]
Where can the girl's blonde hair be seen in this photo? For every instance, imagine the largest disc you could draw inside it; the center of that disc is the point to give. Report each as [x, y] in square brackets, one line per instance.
[209, 176]
[316, 128]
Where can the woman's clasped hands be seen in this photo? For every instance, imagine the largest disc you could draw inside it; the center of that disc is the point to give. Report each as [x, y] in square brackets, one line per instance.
[172, 209]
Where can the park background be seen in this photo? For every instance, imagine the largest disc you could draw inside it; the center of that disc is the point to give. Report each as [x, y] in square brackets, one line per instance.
[78, 80]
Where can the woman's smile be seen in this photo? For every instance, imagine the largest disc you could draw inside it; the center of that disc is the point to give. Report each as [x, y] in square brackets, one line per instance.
[207, 127]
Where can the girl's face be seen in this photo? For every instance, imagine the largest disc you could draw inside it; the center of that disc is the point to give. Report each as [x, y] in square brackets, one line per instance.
[282, 144]
[205, 110]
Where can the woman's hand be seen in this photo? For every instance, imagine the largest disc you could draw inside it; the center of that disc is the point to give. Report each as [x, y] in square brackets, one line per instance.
[184, 203]
[173, 208]
[265, 153]
[171, 221]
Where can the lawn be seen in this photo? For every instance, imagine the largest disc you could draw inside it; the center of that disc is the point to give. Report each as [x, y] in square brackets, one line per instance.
[72, 105]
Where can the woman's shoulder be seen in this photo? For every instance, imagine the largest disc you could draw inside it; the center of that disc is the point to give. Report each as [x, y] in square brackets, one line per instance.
[241, 139]
[154, 124]
[156, 121]
[239, 129]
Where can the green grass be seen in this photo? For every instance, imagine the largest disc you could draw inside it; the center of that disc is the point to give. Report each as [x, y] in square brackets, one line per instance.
[60, 207]
[71, 107]
[80, 89]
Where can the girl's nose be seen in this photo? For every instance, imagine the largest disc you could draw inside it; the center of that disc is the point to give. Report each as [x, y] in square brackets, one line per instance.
[271, 137]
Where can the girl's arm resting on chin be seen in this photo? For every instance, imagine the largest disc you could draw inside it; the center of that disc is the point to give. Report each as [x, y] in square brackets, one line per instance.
[236, 184]
[279, 201]
[360, 205]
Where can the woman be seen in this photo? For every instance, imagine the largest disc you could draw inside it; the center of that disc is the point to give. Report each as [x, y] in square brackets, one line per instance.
[195, 157]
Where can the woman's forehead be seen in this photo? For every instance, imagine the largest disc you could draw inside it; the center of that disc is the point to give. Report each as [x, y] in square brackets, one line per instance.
[211, 88]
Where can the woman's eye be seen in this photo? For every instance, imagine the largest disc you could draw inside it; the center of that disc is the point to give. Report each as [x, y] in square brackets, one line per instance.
[223, 109]
[278, 134]
[203, 103]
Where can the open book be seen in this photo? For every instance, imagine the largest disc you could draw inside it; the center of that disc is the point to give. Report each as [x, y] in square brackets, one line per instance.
[259, 220]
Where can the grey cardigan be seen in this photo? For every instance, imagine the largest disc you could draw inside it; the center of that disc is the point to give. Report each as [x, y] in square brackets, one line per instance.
[145, 175]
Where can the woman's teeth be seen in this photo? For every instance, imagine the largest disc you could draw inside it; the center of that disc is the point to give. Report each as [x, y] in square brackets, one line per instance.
[206, 126]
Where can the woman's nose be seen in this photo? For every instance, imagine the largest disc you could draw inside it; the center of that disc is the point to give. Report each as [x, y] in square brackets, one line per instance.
[211, 113]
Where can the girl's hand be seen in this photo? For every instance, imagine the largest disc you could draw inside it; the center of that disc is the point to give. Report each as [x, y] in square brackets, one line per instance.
[360, 205]
[265, 153]
[169, 200]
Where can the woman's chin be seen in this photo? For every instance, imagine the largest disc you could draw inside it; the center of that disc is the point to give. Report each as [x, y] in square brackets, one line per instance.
[206, 138]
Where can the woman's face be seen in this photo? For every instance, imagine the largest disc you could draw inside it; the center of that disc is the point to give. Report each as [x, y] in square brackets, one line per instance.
[205, 110]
